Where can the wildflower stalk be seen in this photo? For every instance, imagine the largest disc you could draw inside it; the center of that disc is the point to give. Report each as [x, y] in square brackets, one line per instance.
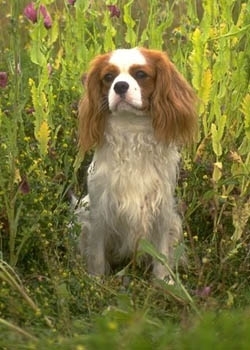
[180, 285]
[17, 329]
[10, 197]
[148, 248]
[9, 276]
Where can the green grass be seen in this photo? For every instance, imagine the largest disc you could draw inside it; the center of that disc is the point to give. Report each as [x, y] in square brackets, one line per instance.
[47, 300]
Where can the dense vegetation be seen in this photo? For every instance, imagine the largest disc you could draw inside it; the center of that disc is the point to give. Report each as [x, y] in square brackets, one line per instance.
[47, 300]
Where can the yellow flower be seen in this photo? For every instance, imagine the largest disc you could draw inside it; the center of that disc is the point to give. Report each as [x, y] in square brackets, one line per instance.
[43, 137]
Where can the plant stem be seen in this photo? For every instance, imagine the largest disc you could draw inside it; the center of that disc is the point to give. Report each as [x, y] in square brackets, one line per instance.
[6, 273]
[10, 197]
[17, 329]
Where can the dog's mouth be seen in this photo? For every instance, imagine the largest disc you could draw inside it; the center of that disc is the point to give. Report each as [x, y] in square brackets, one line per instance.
[124, 104]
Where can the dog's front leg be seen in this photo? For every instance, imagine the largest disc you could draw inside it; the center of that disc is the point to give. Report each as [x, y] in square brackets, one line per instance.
[165, 244]
[96, 261]
[159, 270]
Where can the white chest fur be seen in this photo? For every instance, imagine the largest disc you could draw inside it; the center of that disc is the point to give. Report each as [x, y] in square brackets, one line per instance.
[132, 177]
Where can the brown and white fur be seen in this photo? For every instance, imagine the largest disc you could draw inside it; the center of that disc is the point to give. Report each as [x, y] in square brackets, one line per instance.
[136, 112]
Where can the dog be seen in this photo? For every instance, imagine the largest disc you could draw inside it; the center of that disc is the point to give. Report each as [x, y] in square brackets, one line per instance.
[137, 111]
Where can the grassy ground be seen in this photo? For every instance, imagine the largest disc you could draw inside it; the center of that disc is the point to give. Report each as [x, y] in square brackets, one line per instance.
[47, 300]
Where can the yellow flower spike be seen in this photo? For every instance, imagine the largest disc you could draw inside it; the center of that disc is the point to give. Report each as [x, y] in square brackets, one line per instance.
[112, 326]
[38, 312]
[80, 347]
[43, 137]
[17, 176]
[245, 108]
[31, 82]
[205, 89]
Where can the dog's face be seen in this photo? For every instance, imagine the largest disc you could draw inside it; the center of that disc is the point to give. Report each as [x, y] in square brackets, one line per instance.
[140, 82]
[128, 81]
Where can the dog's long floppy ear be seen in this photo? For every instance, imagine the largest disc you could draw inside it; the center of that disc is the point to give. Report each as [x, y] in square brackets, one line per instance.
[93, 107]
[173, 105]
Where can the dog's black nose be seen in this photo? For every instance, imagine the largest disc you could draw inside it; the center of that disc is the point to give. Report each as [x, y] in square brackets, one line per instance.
[121, 87]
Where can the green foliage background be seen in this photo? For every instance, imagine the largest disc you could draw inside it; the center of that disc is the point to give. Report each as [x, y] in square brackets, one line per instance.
[46, 297]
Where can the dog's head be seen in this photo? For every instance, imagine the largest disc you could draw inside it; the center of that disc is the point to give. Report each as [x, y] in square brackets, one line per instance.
[142, 82]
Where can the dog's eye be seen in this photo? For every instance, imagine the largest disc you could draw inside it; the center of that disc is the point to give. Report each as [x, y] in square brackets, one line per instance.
[140, 74]
[108, 78]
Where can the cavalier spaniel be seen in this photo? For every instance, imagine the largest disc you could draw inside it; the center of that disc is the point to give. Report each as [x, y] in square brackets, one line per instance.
[136, 112]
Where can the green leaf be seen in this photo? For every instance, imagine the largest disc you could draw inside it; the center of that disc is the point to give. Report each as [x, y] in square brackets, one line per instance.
[37, 49]
[246, 111]
[149, 248]
[130, 36]
[36, 54]
[217, 172]
[216, 140]
[109, 34]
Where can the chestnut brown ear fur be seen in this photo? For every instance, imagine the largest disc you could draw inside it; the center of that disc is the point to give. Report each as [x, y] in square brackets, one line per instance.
[173, 105]
[92, 107]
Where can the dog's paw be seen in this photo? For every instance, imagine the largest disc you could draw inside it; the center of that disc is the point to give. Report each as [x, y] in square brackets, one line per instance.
[169, 280]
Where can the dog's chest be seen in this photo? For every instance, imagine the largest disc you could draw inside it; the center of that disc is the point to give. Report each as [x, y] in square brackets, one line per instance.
[133, 168]
[132, 173]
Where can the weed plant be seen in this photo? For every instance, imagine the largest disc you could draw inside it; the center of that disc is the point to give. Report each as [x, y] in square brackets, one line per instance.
[47, 300]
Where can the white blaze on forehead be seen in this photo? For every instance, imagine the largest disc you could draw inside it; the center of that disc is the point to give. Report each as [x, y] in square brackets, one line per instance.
[125, 58]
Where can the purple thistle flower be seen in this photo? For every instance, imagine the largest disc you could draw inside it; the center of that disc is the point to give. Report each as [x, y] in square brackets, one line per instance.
[30, 12]
[24, 186]
[71, 2]
[3, 79]
[114, 11]
[47, 21]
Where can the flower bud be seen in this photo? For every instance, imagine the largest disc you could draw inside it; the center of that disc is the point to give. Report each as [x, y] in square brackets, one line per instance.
[30, 12]
[3, 79]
